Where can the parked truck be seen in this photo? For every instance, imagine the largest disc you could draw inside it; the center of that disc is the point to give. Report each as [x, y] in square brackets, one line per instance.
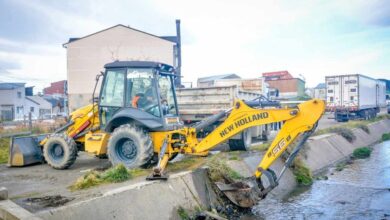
[196, 104]
[354, 96]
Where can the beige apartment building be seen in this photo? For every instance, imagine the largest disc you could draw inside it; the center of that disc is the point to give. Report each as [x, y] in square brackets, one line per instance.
[87, 56]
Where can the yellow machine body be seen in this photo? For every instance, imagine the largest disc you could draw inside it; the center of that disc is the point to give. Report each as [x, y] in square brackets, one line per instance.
[96, 143]
[85, 120]
[296, 121]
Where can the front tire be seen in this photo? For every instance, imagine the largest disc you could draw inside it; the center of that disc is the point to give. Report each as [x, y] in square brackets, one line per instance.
[60, 151]
[131, 146]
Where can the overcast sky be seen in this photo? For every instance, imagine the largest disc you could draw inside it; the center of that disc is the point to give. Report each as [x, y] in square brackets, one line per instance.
[311, 38]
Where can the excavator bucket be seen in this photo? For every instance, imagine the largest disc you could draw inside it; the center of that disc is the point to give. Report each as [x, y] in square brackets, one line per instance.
[25, 150]
[244, 194]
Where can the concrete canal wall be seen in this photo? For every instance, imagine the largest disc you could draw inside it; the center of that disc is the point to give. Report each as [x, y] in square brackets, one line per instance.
[324, 150]
[161, 199]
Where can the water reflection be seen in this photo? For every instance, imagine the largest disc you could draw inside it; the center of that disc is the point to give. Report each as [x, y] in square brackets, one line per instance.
[360, 191]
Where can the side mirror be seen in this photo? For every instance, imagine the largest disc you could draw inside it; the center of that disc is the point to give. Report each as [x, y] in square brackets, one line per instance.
[95, 99]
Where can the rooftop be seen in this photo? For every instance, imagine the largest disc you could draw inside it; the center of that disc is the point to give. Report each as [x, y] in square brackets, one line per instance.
[320, 86]
[172, 39]
[9, 86]
[216, 77]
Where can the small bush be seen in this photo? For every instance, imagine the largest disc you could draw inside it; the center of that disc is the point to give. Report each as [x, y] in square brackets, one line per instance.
[364, 128]
[88, 180]
[386, 137]
[116, 174]
[362, 152]
[302, 173]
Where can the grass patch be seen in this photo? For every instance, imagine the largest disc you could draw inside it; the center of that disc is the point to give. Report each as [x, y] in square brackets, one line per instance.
[345, 132]
[302, 173]
[183, 214]
[220, 171]
[364, 127]
[341, 166]
[89, 180]
[353, 124]
[386, 137]
[234, 158]
[234, 155]
[120, 173]
[4, 150]
[115, 174]
[362, 152]
[261, 147]
[188, 163]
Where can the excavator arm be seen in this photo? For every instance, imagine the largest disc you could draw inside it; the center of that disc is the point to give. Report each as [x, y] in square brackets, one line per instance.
[297, 121]
[298, 124]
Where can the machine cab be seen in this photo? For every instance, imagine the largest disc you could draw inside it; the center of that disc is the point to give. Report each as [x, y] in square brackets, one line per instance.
[140, 92]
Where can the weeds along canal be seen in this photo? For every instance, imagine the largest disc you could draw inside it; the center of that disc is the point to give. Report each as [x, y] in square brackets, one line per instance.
[360, 191]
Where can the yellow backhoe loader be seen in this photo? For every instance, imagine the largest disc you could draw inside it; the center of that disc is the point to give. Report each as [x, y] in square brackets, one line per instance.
[136, 119]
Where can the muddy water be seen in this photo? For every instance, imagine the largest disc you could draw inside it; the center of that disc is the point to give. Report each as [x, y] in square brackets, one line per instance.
[360, 191]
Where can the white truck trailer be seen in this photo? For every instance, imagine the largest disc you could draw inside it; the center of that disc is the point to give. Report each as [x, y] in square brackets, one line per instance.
[196, 104]
[354, 96]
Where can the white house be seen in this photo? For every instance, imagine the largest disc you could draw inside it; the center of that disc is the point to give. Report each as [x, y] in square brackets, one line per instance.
[320, 91]
[12, 99]
[15, 105]
[38, 106]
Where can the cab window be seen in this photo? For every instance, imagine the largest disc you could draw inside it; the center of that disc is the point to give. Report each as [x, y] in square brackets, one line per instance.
[141, 92]
[165, 84]
[112, 93]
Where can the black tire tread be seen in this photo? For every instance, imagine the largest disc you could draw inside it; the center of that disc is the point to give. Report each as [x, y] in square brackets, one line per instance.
[70, 144]
[146, 153]
[236, 145]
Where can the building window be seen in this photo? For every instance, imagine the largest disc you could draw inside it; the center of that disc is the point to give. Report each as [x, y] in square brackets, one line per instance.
[351, 98]
[19, 95]
[353, 90]
[333, 83]
[19, 110]
[331, 98]
[350, 82]
[31, 109]
[330, 91]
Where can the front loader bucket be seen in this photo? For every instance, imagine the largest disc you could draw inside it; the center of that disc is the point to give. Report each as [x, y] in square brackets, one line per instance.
[25, 151]
[244, 194]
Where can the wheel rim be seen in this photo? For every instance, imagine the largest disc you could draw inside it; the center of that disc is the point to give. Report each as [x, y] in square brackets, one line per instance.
[56, 152]
[126, 150]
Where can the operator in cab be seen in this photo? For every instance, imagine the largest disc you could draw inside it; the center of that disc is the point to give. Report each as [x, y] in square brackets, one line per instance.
[147, 101]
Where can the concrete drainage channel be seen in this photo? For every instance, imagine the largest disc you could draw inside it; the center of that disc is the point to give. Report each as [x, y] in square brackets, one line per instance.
[161, 200]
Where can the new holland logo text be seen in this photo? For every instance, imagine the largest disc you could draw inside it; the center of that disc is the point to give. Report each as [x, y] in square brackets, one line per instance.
[243, 121]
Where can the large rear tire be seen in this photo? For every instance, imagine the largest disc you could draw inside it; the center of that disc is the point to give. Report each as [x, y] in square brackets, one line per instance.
[242, 144]
[60, 151]
[130, 145]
